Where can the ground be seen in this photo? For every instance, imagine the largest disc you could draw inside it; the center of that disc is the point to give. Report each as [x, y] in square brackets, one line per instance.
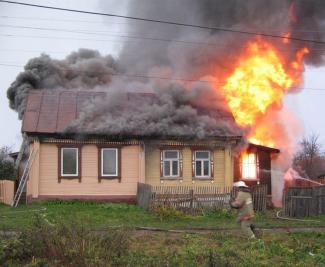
[210, 240]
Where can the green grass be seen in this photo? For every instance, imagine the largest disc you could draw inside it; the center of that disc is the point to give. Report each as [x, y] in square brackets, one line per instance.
[69, 240]
[101, 216]
[298, 249]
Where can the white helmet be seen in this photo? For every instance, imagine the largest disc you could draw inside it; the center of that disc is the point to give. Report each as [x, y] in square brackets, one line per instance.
[240, 184]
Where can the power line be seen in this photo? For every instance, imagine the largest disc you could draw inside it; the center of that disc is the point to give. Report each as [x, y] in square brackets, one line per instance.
[62, 20]
[151, 77]
[125, 23]
[164, 22]
[197, 43]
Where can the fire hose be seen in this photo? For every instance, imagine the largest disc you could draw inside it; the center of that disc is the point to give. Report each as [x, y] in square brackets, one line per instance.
[292, 219]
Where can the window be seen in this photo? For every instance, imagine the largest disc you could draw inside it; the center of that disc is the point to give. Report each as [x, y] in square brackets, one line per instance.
[249, 166]
[202, 164]
[109, 163]
[69, 163]
[171, 163]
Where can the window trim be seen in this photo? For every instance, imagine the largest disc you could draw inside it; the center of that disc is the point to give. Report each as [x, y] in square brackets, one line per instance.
[171, 165]
[60, 163]
[211, 164]
[180, 162]
[101, 176]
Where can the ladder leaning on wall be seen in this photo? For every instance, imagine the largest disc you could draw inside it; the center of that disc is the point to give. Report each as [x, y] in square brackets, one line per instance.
[24, 177]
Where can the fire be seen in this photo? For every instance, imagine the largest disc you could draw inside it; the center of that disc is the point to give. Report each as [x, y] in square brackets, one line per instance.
[249, 170]
[259, 82]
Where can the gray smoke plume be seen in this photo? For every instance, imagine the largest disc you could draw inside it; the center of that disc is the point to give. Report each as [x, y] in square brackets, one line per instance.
[183, 54]
[84, 69]
[173, 112]
[305, 19]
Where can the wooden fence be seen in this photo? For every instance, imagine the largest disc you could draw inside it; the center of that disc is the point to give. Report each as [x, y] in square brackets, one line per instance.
[193, 199]
[7, 191]
[304, 201]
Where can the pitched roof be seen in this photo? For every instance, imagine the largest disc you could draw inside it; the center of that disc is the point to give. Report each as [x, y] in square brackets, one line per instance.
[50, 112]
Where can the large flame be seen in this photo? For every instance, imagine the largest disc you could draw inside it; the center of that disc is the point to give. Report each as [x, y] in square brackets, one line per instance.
[258, 83]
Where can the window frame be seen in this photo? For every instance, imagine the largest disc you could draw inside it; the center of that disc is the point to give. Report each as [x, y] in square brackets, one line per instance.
[210, 176]
[61, 175]
[256, 164]
[180, 162]
[171, 165]
[101, 175]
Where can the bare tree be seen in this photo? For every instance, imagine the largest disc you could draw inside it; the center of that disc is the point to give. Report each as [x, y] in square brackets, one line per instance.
[309, 161]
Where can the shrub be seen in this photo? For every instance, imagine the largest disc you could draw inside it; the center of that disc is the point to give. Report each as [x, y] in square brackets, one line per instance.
[66, 244]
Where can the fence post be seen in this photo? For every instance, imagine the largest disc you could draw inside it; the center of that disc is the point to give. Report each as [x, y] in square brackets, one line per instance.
[191, 199]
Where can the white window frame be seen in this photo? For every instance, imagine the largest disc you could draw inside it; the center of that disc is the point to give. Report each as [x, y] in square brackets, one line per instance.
[202, 164]
[116, 164]
[170, 164]
[77, 163]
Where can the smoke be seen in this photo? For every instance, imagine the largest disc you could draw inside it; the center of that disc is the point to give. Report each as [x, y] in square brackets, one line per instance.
[305, 19]
[84, 69]
[179, 108]
[174, 112]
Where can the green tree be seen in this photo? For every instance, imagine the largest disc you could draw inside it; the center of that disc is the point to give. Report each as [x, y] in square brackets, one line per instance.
[7, 164]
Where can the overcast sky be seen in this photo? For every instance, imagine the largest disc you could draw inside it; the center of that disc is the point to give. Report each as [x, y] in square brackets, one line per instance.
[18, 45]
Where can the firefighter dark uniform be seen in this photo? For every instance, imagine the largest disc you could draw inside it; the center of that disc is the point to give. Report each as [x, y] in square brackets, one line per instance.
[244, 204]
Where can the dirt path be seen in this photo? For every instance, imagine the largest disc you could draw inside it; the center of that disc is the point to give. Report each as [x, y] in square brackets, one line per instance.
[145, 230]
[234, 231]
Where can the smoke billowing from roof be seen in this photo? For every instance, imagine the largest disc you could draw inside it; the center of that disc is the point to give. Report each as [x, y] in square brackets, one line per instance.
[171, 112]
[80, 70]
[200, 55]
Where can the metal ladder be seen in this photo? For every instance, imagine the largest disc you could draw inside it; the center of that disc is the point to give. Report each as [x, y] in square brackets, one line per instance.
[24, 178]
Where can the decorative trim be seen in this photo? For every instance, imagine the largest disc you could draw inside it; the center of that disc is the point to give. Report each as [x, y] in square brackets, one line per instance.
[60, 177]
[180, 162]
[217, 142]
[119, 162]
[94, 141]
[194, 177]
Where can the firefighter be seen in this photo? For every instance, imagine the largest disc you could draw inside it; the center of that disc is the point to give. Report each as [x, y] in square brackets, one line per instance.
[244, 204]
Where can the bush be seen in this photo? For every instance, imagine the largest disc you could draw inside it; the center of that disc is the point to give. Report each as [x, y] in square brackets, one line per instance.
[7, 165]
[65, 244]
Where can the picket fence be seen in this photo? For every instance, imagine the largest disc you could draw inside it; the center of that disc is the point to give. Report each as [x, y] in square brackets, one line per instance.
[193, 199]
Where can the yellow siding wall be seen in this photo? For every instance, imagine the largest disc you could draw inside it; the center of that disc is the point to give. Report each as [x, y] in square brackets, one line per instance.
[48, 184]
[223, 168]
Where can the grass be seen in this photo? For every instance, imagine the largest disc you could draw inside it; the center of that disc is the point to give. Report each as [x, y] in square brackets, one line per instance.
[71, 244]
[69, 239]
[101, 216]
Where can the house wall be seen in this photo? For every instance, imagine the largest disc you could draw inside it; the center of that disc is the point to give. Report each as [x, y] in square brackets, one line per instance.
[223, 168]
[43, 181]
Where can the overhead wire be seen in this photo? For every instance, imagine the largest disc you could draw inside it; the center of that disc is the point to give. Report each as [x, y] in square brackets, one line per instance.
[152, 77]
[125, 23]
[164, 22]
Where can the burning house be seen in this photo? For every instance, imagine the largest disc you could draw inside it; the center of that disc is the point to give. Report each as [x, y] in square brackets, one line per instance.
[172, 109]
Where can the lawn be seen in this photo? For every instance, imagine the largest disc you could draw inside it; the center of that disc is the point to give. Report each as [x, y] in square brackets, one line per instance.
[93, 234]
[101, 216]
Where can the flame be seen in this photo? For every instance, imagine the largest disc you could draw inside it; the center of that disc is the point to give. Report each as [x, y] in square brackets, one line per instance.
[259, 82]
[249, 170]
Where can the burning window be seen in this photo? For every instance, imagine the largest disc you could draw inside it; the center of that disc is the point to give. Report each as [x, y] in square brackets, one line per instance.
[249, 166]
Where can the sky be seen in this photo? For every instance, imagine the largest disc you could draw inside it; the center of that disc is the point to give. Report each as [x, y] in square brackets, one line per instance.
[18, 45]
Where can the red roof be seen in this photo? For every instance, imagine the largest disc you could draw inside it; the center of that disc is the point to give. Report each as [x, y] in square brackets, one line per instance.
[52, 111]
